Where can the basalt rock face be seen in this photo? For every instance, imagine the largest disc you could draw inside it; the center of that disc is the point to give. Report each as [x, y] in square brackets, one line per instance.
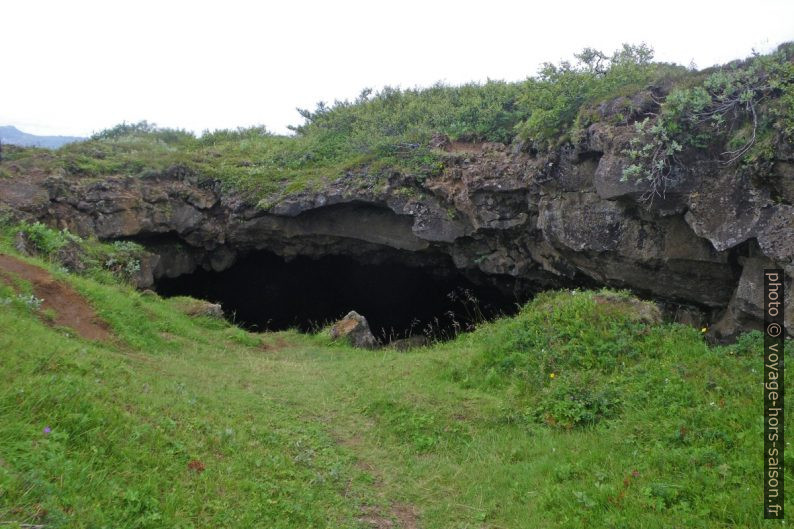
[505, 215]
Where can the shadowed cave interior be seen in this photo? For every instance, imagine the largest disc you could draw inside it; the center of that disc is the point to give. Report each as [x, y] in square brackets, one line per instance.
[263, 291]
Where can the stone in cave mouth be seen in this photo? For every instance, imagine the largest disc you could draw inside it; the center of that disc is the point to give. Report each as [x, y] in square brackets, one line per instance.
[265, 292]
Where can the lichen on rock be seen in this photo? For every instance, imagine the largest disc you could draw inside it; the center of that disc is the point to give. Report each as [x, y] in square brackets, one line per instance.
[355, 329]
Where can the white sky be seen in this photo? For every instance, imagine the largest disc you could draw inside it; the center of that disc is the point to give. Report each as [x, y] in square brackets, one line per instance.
[74, 67]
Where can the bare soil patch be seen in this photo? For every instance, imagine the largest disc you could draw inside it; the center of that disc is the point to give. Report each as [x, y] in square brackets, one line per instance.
[404, 514]
[277, 344]
[70, 308]
[464, 147]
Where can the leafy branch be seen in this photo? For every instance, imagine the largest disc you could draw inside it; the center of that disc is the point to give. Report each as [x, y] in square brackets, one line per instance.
[690, 117]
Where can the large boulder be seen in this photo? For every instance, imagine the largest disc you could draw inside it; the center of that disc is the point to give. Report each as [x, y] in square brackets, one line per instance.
[72, 257]
[746, 308]
[355, 329]
[198, 307]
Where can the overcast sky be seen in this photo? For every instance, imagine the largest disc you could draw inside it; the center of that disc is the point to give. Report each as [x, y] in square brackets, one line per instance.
[74, 67]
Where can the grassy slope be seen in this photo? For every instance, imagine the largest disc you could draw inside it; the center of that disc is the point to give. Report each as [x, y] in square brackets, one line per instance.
[639, 426]
[294, 431]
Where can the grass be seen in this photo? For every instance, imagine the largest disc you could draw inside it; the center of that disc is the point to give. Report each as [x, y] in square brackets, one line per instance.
[575, 413]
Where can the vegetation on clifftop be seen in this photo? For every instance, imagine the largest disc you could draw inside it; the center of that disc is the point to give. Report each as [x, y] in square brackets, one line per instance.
[743, 103]
[741, 108]
[581, 411]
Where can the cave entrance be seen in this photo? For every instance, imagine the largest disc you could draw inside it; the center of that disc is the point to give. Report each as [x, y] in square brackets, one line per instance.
[263, 291]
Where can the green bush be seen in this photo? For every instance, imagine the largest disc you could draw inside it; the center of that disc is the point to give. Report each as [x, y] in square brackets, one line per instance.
[45, 239]
[738, 105]
[124, 259]
[749, 344]
[576, 400]
[555, 98]
[105, 262]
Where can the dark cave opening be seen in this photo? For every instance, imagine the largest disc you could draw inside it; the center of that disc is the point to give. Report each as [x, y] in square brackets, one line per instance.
[263, 291]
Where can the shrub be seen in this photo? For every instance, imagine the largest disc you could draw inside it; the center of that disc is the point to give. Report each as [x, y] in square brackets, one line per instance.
[124, 259]
[728, 102]
[85, 256]
[572, 401]
[555, 98]
[749, 344]
[45, 239]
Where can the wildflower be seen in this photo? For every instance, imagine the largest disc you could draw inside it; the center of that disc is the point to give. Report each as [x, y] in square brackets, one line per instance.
[47, 430]
[552, 375]
[704, 330]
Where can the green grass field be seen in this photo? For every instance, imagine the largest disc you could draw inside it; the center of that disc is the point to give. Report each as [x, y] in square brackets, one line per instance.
[574, 413]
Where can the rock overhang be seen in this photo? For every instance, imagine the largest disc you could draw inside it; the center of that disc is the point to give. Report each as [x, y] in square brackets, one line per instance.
[551, 221]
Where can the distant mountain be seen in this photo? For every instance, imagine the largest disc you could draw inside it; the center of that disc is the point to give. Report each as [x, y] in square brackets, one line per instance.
[14, 136]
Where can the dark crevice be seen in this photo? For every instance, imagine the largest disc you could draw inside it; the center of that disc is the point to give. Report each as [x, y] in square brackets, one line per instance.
[155, 239]
[592, 156]
[263, 291]
[736, 255]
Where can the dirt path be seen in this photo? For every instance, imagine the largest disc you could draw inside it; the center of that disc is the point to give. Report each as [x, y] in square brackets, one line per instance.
[69, 307]
[405, 514]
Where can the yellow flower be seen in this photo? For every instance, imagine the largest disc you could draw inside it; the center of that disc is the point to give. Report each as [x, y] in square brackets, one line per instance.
[704, 329]
[552, 375]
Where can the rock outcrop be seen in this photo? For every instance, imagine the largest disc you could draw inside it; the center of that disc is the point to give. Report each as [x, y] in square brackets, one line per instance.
[355, 329]
[541, 221]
